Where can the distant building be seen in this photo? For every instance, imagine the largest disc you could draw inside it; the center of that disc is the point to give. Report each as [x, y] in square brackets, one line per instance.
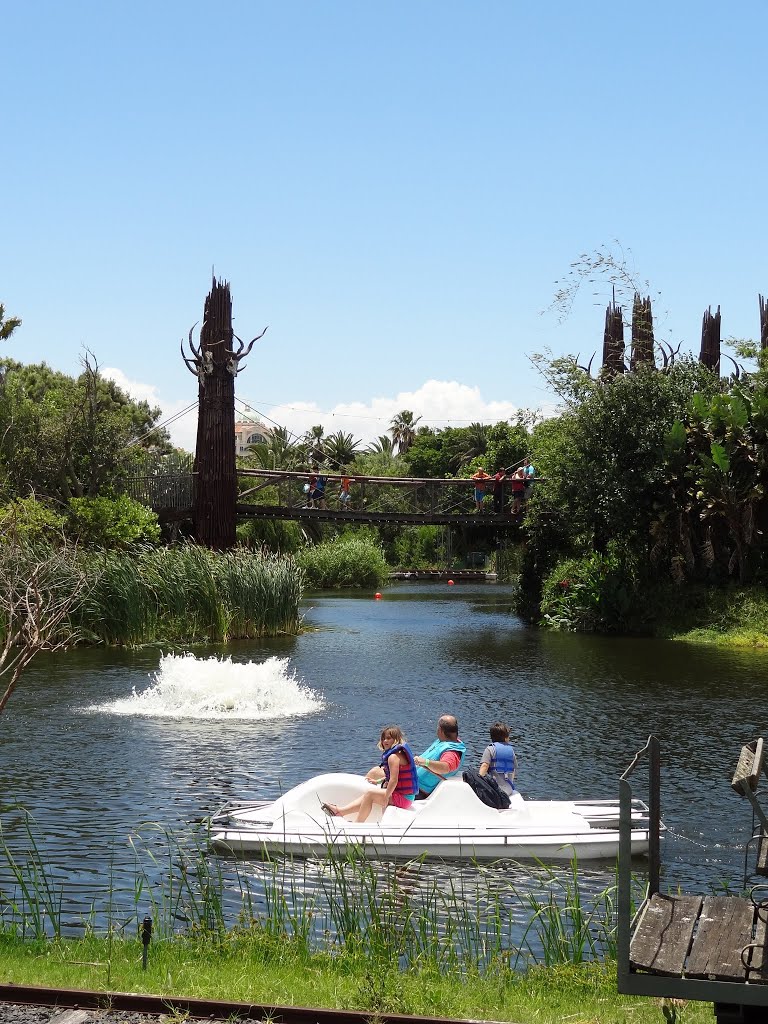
[249, 433]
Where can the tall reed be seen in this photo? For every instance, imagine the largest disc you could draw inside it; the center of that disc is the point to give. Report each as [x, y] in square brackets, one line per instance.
[186, 594]
[394, 915]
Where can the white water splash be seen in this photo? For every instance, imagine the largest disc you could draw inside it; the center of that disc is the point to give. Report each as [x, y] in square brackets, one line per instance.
[188, 687]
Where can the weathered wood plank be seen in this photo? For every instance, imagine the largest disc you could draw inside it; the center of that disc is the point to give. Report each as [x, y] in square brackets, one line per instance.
[758, 958]
[725, 928]
[761, 866]
[663, 935]
[749, 767]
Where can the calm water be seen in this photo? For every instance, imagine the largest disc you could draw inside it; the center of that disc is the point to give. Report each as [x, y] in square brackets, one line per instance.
[578, 706]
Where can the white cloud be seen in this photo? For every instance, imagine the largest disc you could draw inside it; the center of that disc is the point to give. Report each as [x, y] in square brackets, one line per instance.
[439, 403]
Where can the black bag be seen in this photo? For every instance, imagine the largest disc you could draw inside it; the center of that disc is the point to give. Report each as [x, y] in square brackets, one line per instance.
[486, 788]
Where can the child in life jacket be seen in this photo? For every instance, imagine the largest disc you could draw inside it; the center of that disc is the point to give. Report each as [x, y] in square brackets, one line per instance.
[499, 758]
[399, 786]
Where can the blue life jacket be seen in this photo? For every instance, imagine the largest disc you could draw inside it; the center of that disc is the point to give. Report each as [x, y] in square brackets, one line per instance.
[427, 779]
[503, 761]
[407, 784]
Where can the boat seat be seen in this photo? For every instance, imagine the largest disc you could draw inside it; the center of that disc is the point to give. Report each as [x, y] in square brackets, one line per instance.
[454, 803]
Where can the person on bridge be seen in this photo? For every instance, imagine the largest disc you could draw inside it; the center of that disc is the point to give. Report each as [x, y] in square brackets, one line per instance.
[344, 495]
[498, 490]
[530, 473]
[480, 477]
[398, 772]
[518, 490]
[317, 492]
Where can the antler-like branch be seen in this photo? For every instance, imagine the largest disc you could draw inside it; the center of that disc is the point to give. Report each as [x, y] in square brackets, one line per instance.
[196, 351]
[738, 368]
[190, 363]
[242, 355]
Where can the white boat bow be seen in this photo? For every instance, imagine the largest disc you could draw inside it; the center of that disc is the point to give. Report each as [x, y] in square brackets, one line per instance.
[452, 823]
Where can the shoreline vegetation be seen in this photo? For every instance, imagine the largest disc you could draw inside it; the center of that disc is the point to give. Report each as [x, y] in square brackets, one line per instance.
[361, 936]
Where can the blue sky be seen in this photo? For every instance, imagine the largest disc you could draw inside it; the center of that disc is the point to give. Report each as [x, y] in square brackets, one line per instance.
[393, 188]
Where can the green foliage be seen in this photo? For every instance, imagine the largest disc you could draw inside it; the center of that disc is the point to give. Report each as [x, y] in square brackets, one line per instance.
[62, 437]
[344, 562]
[594, 593]
[8, 324]
[278, 535]
[27, 521]
[419, 547]
[117, 522]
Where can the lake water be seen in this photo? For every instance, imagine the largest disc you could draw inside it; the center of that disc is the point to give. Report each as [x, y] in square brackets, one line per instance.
[90, 760]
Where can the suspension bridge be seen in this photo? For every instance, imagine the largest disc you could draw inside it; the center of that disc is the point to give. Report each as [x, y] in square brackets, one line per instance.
[373, 499]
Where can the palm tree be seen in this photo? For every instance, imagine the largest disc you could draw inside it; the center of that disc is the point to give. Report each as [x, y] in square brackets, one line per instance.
[403, 430]
[314, 441]
[383, 445]
[279, 452]
[340, 448]
[7, 324]
[473, 443]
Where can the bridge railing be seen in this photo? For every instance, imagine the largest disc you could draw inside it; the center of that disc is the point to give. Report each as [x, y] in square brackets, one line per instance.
[159, 491]
[428, 496]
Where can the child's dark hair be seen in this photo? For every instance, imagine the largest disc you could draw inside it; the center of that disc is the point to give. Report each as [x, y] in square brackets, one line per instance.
[500, 732]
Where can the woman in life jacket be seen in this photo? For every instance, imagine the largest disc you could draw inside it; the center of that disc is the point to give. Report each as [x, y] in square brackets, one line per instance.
[499, 758]
[399, 785]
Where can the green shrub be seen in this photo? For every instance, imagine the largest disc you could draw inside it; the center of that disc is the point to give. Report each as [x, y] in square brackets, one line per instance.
[595, 593]
[27, 521]
[344, 562]
[112, 522]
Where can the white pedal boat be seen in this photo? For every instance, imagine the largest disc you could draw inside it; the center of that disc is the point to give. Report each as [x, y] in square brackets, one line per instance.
[451, 824]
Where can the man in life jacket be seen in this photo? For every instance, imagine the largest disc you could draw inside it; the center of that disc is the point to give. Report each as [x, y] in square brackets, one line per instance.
[442, 759]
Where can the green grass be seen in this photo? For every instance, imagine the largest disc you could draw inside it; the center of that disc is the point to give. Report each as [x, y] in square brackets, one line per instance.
[729, 617]
[255, 967]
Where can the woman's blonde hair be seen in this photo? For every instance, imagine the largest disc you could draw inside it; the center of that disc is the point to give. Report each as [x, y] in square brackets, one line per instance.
[394, 732]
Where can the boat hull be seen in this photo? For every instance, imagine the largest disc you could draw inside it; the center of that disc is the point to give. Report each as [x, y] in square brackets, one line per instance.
[452, 824]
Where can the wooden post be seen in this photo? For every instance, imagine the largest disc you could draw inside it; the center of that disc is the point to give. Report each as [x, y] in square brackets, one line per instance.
[710, 340]
[613, 339]
[215, 362]
[642, 333]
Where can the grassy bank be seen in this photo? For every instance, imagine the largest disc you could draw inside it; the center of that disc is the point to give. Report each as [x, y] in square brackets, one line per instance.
[732, 617]
[262, 969]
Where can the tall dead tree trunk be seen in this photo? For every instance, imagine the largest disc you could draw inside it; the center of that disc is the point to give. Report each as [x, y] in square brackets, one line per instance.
[763, 323]
[216, 363]
[710, 340]
[613, 339]
[642, 333]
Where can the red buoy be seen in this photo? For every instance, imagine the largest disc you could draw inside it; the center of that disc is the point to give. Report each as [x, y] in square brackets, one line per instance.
[450, 583]
[377, 596]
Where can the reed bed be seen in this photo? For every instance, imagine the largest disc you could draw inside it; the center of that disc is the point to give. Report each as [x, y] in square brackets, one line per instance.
[172, 595]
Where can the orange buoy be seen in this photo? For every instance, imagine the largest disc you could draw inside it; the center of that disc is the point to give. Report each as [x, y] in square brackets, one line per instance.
[377, 596]
[450, 583]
